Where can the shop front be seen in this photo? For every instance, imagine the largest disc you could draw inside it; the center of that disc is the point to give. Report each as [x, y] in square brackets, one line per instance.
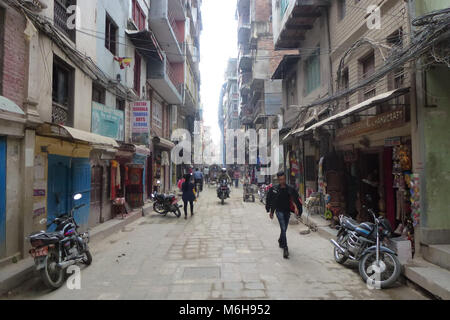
[369, 164]
[161, 164]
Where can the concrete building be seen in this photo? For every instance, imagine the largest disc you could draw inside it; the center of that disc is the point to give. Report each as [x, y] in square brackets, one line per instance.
[355, 110]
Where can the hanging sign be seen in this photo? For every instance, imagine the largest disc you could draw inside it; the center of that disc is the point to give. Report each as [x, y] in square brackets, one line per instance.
[384, 121]
[140, 122]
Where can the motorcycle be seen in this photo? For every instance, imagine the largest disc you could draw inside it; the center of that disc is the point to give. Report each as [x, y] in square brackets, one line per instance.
[163, 204]
[223, 192]
[263, 191]
[54, 252]
[378, 265]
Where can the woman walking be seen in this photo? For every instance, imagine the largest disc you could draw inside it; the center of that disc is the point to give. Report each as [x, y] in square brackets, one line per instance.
[188, 194]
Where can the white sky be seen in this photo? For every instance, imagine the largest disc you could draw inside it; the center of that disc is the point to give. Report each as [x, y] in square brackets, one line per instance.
[218, 43]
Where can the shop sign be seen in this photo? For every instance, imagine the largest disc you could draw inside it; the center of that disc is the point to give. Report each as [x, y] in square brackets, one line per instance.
[140, 122]
[380, 122]
[108, 121]
[391, 142]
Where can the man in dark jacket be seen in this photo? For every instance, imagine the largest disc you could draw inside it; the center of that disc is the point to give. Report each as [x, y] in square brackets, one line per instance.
[279, 199]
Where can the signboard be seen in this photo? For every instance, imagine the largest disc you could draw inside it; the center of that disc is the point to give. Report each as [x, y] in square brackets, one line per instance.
[108, 121]
[140, 126]
[157, 114]
[391, 142]
[382, 121]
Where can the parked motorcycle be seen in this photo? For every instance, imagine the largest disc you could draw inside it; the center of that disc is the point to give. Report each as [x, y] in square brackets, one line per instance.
[54, 252]
[223, 192]
[363, 243]
[163, 204]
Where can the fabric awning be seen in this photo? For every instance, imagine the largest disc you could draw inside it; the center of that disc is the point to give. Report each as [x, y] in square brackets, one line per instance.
[164, 143]
[146, 43]
[381, 98]
[58, 131]
[9, 106]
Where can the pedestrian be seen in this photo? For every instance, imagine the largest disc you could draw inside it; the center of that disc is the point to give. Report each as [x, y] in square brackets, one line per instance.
[206, 174]
[279, 200]
[188, 194]
[237, 176]
[198, 178]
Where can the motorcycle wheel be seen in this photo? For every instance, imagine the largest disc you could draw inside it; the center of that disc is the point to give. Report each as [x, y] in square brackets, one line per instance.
[223, 200]
[88, 260]
[392, 269]
[178, 213]
[338, 256]
[159, 208]
[51, 274]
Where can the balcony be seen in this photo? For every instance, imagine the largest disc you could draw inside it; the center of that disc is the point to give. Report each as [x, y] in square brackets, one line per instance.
[244, 29]
[161, 76]
[164, 16]
[297, 20]
[61, 17]
[246, 115]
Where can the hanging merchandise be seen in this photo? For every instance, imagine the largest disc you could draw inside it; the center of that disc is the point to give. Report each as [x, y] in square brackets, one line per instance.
[321, 181]
[415, 199]
[294, 165]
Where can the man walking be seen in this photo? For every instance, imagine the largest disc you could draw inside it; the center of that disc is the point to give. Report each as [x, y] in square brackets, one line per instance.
[279, 199]
[198, 178]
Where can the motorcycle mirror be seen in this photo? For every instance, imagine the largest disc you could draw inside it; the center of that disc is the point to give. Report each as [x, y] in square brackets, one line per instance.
[43, 221]
[78, 196]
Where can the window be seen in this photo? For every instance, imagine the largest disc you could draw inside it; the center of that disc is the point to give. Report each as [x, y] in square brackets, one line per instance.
[312, 73]
[396, 39]
[344, 85]
[341, 9]
[138, 15]
[368, 65]
[291, 86]
[137, 73]
[62, 92]
[110, 35]
[120, 104]
[62, 17]
[98, 94]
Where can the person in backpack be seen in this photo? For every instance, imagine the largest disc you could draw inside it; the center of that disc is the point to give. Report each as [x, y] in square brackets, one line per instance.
[279, 201]
[188, 194]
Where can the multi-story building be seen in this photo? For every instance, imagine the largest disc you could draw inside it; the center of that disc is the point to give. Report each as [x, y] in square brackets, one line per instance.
[177, 26]
[354, 122]
[89, 108]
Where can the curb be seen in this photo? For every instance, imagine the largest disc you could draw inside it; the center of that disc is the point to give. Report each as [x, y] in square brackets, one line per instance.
[16, 274]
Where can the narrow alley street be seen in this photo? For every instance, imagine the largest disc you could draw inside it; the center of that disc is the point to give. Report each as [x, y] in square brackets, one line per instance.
[223, 252]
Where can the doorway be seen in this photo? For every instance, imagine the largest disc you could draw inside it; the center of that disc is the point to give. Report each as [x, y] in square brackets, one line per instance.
[95, 216]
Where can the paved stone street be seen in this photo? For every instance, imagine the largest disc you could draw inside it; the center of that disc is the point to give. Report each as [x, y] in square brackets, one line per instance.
[223, 252]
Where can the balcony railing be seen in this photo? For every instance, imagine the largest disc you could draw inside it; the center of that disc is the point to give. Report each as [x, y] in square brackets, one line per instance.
[60, 114]
[173, 24]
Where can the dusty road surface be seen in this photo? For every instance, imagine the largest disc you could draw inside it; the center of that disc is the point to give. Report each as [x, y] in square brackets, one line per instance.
[223, 252]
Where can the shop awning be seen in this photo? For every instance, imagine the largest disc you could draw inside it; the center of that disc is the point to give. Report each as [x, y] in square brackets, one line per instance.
[9, 106]
[146, 43]
[381, 98]
[163, 143]
[294, 132]
[59, 131]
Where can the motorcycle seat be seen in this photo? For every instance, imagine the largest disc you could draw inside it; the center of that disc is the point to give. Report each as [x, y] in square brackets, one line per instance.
[350, 223]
